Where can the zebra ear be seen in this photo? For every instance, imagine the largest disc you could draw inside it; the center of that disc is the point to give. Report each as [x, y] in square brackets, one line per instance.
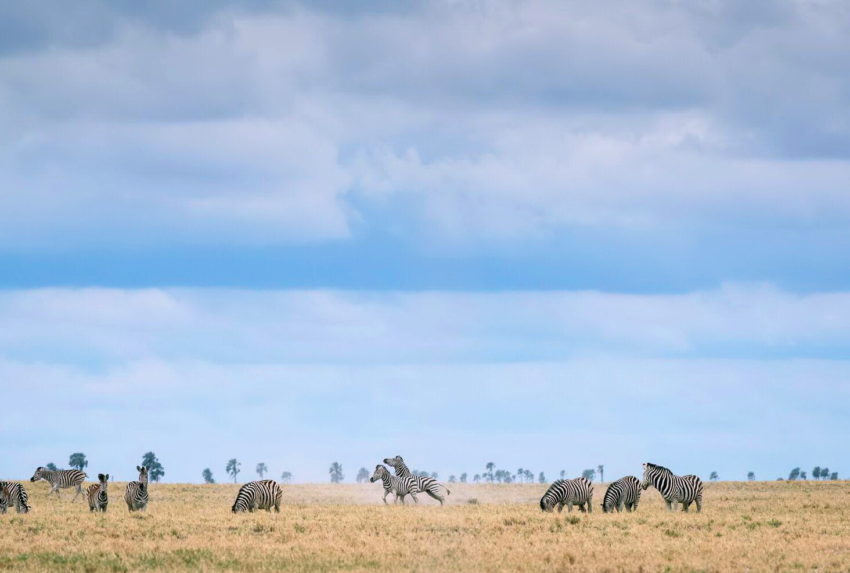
[100, 477]
[138, 468]
[107, 477]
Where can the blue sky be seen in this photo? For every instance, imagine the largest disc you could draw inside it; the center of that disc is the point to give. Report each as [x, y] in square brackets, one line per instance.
[544, 234]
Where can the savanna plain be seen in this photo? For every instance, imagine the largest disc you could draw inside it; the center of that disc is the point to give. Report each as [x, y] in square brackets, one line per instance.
[753, 526]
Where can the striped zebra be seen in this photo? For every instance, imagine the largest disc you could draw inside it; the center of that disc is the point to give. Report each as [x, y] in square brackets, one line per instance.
[399, 485]
[61, 479]
[623, 492]
[96, 493]
[12, 493]
[136, 494]
[425, 484]
[578, 491]
[253, 495]
[674, 489]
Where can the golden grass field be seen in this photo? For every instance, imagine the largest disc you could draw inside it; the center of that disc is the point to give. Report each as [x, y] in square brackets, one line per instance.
[757, 526]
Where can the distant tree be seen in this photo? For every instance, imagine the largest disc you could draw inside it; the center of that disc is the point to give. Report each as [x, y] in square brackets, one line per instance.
[751, 476]
[824, 473]
[52, 467]
[155, 469]
[601, 469]
[489, 475]
[541, 478]
[529, 475]
[476, 478]
[795, 473]
[261, 469]
[336, 473]
[816, 472]
[452, 479]
[589, 474]
[463, 477]
[520, 473]
[286, 477]
[233, 468]
[362, 475]
[434, 475]
[208, 477]
[833, 476]
[78, 460]
[563, 473]
[803, 475]
[713, 476]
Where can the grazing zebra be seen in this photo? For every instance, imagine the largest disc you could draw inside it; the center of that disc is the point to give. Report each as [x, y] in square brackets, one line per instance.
[96, 493]
[61, 479]
[253, 495]
[673, 488]
[13, 494]
[399, 485]
[425, 484]
[578, 491]
[623, 492]
[136, 494]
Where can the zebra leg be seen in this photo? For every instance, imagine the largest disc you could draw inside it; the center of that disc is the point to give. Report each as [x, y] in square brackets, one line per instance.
[402, 500]
[386, 493]
[416, 500]
[569, 507]
[590, 504]
[698, 501]
[685, 506]
[435, 495]
[669, 505]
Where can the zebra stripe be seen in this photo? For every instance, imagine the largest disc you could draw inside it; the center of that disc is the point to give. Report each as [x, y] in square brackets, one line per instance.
[136, 494]
[13, 494]
[399, 485]
[253, 495]
[425, 484]
[61, 479]
[578, 491]
[96, 493]
[623, 492]
[674, 489]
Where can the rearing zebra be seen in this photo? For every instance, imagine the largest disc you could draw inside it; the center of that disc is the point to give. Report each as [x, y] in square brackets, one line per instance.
[425, 484]
[673, 488]
[578, 491]
[96, 492]
[253, 495]
[399, 485]
[624, 491]
[136, 494]
[60, 479]
[13, 494]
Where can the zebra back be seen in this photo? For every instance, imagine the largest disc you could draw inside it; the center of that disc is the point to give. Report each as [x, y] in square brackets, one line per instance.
[263, 494]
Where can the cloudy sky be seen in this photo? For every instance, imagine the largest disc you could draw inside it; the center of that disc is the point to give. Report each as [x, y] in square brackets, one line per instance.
[549, 235]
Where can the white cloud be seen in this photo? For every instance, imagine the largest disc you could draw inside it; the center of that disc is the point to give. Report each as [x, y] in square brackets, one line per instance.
[479, 120]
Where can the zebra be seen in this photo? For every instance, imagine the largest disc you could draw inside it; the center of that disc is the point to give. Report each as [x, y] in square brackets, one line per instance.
[96, 494]
[253, 495]
[61, 479]
[425, 484]
[136, 494]
[578, 491]
[623, 492]
[399, 485]
[13, 494]
[685, 489]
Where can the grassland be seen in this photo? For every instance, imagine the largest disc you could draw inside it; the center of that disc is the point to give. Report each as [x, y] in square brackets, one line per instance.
[755, 526]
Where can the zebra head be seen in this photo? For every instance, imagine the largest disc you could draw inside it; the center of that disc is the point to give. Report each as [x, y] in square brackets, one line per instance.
[547, 502]
[395, 463]
[648, 475]
[143, 473]
[103, 479]
[39, 473]
[380, 472]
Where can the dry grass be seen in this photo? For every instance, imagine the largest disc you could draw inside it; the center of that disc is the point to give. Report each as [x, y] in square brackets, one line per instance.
[745, 526]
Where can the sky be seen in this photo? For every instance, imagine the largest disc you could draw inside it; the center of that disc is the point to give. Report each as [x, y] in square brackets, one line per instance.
[546, 234]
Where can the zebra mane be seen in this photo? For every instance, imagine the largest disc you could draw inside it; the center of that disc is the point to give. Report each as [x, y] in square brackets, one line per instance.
[657, 467]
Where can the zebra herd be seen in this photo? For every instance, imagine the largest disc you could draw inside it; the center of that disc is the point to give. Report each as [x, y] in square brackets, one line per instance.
[135, 495]
[625, 492]
[265, 494]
